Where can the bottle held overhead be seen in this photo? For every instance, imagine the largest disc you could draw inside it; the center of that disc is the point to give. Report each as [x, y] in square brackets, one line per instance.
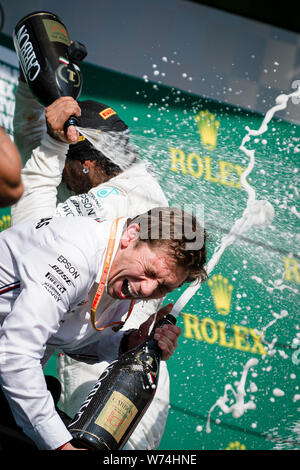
[48, 58]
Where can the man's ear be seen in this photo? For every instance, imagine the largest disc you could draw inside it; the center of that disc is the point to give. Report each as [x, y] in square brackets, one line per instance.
[89, 164]
[130, 235]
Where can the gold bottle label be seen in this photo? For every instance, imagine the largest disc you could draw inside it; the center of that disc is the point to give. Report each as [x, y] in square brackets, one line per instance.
[56, 32]
[117, 415]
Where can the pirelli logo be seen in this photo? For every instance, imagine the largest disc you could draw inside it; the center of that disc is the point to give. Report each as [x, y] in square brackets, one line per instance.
[55, 282]
[107, 112]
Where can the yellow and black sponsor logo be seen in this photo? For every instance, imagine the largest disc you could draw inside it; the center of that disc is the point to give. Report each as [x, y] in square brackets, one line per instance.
[107, 113]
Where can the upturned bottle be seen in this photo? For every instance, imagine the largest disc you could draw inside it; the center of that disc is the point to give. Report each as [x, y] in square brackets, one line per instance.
[48, 58]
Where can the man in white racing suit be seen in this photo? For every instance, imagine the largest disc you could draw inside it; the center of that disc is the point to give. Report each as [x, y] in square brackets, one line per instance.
[128, 193]
[48, 282]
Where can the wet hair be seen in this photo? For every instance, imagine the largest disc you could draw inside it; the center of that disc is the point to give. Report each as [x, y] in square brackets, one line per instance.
[180, 233]
[115, 152]
[110, 168]
[84, 150]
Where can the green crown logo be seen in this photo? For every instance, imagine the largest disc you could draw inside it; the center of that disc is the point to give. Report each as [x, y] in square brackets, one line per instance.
[221, 292]
[236, 446]
[208, 128]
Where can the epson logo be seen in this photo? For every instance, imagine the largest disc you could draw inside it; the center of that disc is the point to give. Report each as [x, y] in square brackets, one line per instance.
[27, 56]
[91, 395]
[68, 266]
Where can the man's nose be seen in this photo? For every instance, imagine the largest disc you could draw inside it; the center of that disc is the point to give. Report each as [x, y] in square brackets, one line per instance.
[148, 287]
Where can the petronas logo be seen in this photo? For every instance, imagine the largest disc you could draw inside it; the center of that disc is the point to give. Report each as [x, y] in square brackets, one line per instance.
[208, 128]
[221, 291]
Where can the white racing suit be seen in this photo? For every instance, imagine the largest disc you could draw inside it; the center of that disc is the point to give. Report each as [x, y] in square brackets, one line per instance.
[132, 192]
[45, 306]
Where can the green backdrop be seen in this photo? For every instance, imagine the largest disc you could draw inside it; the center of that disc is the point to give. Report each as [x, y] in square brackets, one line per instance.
[249, 307]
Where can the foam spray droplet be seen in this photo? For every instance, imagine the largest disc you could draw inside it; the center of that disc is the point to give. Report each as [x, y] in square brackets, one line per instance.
[238, 408]
[258, 213]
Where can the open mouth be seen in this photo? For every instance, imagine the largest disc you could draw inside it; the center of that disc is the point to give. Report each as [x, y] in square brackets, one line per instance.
[126, 290]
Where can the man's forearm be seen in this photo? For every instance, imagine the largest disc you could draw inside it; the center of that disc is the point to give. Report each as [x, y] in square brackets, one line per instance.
[11, 186]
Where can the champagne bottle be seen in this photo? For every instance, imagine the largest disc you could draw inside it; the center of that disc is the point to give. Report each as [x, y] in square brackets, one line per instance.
[119, 398]
[48, 59]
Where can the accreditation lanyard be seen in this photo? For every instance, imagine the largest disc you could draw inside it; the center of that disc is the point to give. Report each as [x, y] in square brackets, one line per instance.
[103, 279]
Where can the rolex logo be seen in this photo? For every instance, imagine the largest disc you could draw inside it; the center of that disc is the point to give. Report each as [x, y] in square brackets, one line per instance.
[221, 292]
[208, 128]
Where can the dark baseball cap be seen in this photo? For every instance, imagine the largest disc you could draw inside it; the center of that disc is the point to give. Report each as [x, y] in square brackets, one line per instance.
[98, 116]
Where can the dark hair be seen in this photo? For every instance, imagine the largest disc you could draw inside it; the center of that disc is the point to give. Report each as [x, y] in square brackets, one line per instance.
[110, 168]
[180, 233]
[84, 150]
